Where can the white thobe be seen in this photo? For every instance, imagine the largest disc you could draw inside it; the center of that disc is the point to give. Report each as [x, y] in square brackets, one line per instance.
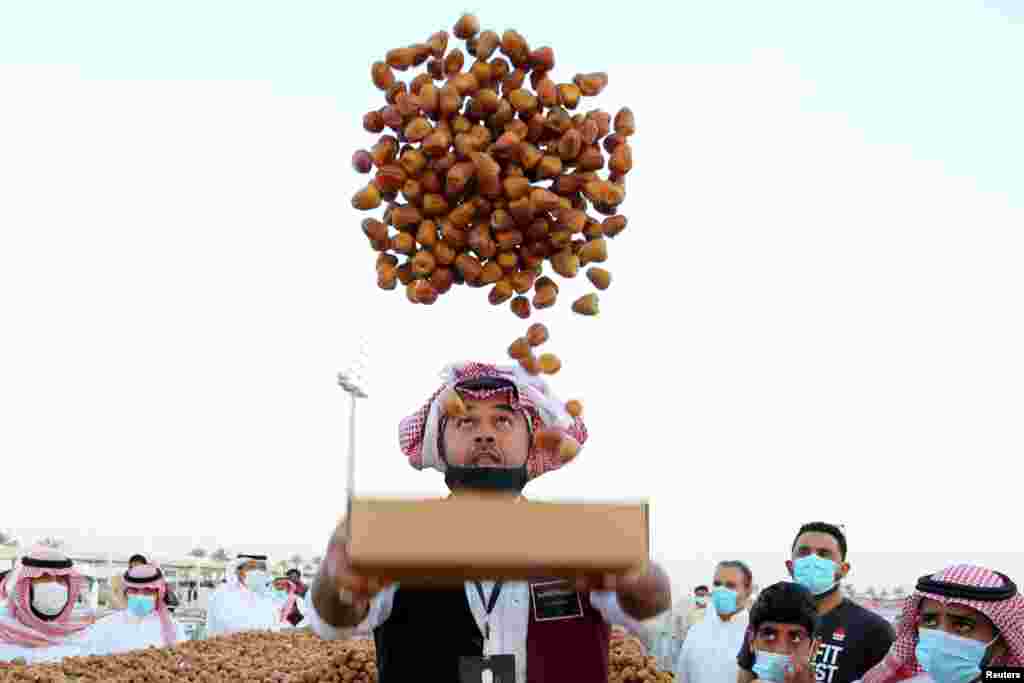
[69, 647]
[509, 620]
[236, 609]
[123, 632]
[710, 649]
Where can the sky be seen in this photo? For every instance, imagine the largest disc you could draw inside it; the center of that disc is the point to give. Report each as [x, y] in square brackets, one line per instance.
[815, 311]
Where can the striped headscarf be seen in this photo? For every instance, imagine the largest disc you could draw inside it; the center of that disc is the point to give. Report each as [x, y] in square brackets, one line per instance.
[148, 576]
[420, 434]
[26, 629]
[1007, 615]
[289, 603]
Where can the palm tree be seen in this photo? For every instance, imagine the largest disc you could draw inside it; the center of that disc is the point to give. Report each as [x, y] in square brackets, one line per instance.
[899, 591]
[884, 594]
[8, 539]
[197, 552]
[295, 559]
[873, 593]
[317, 559]
[220, 555]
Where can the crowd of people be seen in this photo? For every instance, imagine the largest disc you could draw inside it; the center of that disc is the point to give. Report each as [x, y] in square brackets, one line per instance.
[957, 622]
[959, 619]
[37, 608]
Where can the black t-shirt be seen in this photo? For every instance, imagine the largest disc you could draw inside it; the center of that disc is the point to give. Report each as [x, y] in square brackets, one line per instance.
[853, 640]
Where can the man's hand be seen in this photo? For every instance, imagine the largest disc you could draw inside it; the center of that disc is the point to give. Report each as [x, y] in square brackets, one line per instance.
[643, 594]
[341, 596]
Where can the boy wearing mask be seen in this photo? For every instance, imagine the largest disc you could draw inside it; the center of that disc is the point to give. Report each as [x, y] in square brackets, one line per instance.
[853, 639]
[783, 635]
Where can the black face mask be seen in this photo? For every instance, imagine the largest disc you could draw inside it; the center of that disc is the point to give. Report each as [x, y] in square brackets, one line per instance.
[502, 479]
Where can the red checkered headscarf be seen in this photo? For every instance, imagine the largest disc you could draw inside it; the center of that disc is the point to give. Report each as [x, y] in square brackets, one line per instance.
[1007, 616]
[420, 434]
[149, 577]
[24, 628]
[289, 603]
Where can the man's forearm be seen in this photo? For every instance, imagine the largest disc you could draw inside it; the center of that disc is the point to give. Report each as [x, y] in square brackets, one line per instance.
[648, 604]
[331, 609]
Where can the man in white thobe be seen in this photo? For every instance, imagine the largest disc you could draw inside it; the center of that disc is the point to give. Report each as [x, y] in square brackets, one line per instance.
[37, 624]
[244, 602]
[145, 622]
[709, 651]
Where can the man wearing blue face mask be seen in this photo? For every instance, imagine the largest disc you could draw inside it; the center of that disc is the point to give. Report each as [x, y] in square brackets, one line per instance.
[709, 651]
[286, 596]
[146, 622]
[784, 634]
[853, 639]
[245, 602]
[957, 622]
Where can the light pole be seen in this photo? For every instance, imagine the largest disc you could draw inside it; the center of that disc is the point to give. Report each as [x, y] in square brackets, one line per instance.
[353, 381]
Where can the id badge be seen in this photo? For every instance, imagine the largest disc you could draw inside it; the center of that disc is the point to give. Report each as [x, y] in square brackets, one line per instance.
[493, 669]
[555, 600]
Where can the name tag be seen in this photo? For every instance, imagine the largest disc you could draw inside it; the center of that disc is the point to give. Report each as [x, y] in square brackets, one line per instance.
[554, 600]
[493, 669]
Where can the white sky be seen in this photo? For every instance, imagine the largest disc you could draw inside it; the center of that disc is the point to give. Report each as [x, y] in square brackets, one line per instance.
[816, 311]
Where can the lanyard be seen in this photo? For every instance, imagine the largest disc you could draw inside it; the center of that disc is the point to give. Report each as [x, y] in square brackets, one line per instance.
[488, 605]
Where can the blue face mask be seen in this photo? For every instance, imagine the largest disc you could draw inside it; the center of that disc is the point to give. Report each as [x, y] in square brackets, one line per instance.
[257, 581]
[770, 666]
[279, 595]
[948, 658]
[814, 573]
[141, 605]
[724, 600]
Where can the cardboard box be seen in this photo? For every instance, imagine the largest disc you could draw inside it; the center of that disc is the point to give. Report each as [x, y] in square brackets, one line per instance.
[449, 541]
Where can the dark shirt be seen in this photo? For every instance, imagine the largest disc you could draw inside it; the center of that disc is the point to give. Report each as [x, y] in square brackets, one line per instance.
[853, 639]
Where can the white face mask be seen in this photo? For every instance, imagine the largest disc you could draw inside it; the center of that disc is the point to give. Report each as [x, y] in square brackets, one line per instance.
[49, 598]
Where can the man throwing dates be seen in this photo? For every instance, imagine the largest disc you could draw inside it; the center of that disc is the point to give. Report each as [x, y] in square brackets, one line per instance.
[488, 428]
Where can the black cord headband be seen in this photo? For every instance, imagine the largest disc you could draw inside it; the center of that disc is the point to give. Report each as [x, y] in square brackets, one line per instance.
[926, 584]
[46, 564]
[128, 578]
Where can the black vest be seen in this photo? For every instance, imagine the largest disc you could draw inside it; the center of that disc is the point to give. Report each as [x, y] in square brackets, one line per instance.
[427, 632]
